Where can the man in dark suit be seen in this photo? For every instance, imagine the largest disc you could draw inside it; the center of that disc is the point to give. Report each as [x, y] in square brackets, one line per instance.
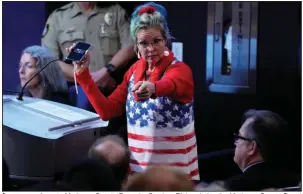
[262, 148]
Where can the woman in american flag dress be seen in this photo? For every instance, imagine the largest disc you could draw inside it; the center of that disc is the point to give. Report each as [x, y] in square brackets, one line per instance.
[157, 95]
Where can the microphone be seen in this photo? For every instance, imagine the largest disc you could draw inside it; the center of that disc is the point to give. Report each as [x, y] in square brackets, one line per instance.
[20, 96]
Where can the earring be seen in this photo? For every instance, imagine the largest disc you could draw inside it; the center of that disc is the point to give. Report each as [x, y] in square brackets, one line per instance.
[166, 53]
[138, 55]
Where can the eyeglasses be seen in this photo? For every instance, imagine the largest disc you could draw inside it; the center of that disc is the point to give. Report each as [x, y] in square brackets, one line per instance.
[156, 42]
[237, 137]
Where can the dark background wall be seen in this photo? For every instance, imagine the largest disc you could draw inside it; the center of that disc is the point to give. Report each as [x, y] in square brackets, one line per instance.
[218, 116]
[22, 26]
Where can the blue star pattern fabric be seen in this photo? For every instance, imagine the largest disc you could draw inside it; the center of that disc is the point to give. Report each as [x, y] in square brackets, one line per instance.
[162, 112]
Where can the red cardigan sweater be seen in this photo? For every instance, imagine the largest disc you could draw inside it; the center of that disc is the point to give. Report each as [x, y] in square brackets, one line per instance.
[177, 83]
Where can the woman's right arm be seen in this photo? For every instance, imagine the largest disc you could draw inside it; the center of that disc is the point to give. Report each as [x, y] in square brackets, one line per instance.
[110, 107]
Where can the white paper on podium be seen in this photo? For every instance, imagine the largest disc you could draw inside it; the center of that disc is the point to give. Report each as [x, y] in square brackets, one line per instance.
[56, 111]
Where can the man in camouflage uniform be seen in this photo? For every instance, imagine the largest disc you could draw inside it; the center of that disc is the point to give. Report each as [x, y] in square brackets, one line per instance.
[106, 28]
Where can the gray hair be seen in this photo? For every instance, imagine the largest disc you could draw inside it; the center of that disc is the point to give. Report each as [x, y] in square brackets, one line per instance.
[215, 186]
[51, 78]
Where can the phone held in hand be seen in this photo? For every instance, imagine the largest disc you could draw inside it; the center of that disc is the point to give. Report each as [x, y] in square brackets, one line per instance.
[78, 52]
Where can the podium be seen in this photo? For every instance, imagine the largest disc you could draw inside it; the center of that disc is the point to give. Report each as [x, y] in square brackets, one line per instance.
[41, 138]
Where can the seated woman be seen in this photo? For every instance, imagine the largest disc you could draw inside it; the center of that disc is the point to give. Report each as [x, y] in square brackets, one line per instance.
[50, 83]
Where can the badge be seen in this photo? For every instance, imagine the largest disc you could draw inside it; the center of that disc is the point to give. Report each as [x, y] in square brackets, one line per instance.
[46, 28]
[102, 28]
[108, 19]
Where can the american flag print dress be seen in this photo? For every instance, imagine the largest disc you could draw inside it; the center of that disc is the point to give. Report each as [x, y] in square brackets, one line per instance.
[161, 132]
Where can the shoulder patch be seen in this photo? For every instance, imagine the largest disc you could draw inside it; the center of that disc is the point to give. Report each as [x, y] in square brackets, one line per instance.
[45, 31]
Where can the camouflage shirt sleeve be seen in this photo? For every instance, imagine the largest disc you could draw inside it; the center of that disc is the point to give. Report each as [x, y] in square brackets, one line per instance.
[123, 27]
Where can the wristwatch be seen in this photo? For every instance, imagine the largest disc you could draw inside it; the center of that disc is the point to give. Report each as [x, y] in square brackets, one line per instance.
[110, 68]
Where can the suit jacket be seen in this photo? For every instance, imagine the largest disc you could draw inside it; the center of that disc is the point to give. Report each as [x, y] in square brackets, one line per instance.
[262, 176]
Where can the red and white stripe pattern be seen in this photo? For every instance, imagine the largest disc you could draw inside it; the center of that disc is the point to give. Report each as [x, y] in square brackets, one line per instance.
[174, 151]
[161, 132]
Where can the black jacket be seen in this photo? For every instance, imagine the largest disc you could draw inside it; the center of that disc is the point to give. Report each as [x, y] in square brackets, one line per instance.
[262, 176]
